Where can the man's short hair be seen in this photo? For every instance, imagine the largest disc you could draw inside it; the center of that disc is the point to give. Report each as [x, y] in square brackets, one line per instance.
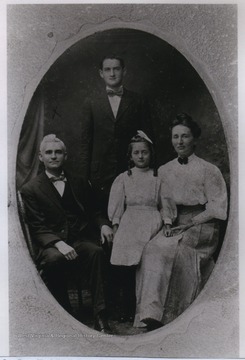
[51, 138]
[112, 56]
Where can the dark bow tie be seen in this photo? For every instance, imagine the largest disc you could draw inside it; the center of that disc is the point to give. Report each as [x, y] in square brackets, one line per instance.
[57, 178]
[111, 92]
[183, 161]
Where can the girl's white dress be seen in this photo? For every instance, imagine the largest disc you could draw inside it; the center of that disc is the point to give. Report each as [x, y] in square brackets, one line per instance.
[139, 205]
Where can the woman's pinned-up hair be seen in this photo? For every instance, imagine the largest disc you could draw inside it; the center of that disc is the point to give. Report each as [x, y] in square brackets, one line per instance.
[186, 120]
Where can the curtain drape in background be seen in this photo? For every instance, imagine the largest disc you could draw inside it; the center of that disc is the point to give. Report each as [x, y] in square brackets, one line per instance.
[30, 138]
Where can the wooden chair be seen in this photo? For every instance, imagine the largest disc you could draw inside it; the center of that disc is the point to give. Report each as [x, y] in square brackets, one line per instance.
[24, 225]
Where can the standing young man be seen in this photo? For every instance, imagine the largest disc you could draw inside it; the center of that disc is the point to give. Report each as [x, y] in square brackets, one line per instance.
[109, 121]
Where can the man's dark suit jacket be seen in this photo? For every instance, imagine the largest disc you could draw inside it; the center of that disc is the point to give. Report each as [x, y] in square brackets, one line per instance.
[47, 219]
[105, 138]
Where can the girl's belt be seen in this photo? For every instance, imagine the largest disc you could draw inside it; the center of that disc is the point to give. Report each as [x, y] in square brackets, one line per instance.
[141, 207]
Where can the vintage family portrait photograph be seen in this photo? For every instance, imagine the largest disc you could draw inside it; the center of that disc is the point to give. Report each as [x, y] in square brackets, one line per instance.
[122, 126]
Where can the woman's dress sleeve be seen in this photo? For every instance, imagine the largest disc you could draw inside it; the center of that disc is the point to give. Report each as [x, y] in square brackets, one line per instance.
[216, 195]
[116, 200]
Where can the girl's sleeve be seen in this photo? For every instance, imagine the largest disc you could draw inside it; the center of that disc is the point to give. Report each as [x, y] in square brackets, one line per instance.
[216, 194]
[167, 205]
[116, 200]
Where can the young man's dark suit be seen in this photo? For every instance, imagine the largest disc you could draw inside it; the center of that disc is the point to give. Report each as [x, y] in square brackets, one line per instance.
[68, 218]
[104, 146]
[105, 138]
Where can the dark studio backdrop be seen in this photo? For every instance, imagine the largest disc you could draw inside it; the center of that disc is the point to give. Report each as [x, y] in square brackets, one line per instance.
[154, 68]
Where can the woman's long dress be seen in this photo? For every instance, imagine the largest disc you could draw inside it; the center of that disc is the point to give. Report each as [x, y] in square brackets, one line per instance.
[137, 204]
[172, 273]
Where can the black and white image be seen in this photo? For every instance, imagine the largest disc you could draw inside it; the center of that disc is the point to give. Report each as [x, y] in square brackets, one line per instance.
[123, 180]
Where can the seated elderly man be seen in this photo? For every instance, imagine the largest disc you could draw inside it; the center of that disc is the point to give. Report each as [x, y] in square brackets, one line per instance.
[63, 220]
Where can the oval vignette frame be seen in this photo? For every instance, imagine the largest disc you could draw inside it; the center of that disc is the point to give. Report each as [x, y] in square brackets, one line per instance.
[166, 37]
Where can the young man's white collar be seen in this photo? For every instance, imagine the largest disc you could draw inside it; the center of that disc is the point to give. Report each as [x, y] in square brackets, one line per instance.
[114, 101]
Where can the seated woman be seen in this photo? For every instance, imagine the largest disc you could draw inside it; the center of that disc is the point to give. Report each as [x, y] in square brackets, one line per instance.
[174, 269]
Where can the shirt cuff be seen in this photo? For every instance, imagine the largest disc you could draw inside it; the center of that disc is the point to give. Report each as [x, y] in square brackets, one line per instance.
[52, 243]
[167, 221]
[115, 221]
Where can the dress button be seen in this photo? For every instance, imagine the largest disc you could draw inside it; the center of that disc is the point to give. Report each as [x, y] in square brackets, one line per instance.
[62, 230]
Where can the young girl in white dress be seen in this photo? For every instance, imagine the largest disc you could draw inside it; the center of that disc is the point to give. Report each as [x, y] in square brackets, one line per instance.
[138, 207]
